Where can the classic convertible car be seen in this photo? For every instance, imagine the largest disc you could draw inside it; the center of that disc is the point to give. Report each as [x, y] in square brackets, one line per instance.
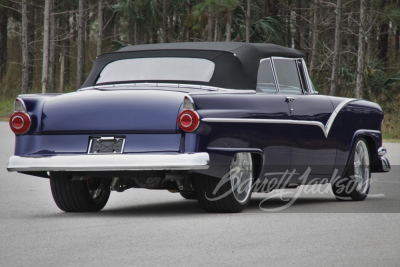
[212, 121]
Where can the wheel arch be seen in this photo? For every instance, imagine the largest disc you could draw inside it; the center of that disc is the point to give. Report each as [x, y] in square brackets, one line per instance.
[374, 141]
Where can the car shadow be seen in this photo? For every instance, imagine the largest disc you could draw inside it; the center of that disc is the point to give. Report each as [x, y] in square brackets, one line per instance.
[187, 208]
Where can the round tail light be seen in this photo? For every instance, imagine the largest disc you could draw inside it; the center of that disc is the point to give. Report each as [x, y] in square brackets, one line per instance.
[20, 122]
[188, 120]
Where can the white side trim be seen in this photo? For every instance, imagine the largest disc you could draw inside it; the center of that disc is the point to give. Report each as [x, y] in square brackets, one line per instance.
[332, 118]
[315, 123]
[325, 128]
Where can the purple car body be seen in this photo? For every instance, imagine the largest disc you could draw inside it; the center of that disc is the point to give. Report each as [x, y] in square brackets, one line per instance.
[209, 120]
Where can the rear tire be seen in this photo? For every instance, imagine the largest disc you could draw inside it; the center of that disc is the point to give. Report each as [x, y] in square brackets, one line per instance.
[188, 195]
[357, 180]
[230, 194]
[79, 196]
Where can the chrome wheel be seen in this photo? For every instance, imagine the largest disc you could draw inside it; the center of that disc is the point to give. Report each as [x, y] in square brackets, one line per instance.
[241, 176]
[230, 193]
[356, 181]
[361, 167]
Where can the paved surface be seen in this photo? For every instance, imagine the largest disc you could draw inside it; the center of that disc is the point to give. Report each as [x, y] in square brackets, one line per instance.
[152, 228]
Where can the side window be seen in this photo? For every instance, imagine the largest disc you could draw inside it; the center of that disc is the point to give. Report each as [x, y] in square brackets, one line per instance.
[265, 78]
[287, 76]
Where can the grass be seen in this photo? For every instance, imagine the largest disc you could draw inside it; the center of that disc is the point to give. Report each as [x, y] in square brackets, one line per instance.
[6, 108]
[391, 127]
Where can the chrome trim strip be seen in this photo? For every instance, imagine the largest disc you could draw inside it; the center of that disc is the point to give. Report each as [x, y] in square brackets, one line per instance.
[180, 85]
[308, 79]
[275, 76]
[114, 162]
[315, 123]
[332, 118]
[325, 128]
[239, 149]
[368, 130]
[272, 70]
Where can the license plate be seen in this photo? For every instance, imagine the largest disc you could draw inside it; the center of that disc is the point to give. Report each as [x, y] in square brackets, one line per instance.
[106, 145]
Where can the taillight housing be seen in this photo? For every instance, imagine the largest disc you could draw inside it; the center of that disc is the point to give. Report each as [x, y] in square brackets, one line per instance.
[20, 121]
[188, 119]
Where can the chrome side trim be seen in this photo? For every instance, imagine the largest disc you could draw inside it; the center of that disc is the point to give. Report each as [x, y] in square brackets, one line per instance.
[368, 130]
[234, 149]
[332, 118]
[325, 128]
[315, 123]
[114, 162]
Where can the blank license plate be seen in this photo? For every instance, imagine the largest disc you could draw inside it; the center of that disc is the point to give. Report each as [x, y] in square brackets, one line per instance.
[106, 145]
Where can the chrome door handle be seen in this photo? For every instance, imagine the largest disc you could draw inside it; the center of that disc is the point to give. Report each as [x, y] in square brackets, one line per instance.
[290, 99]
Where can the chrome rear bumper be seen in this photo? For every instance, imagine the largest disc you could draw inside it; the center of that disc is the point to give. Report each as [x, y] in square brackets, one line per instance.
[112, 162]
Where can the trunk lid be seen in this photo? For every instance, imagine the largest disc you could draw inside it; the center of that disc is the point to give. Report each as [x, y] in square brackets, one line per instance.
[130, 111]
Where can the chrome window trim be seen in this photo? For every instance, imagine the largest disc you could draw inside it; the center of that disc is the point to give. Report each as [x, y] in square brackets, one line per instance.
[325, 128]
[306, 88]
[307, 76]
[298, 74]
[278, 89]
[285, 58]
[273, 72]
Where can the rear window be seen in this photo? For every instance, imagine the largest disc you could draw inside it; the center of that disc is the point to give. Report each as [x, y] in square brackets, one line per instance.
[158, 69]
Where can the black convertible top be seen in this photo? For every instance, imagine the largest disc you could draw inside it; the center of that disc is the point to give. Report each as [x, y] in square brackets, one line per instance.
[236, 64]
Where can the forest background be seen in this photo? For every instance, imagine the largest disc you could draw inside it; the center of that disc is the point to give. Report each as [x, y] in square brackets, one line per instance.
[351, 46]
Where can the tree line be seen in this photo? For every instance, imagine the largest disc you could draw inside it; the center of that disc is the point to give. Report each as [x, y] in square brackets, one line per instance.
[350, 46]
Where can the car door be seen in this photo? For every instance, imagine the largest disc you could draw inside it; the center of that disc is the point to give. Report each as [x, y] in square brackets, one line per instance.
[277, 136]
[312, 147]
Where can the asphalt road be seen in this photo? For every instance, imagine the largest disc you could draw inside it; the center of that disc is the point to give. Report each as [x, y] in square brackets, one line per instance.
[155, 228]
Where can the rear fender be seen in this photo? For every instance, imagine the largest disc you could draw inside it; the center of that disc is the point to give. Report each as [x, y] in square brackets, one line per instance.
[34, 106]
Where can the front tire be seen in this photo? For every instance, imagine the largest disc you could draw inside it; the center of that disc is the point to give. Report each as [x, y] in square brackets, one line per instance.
[230, 194]
[79, 196]
[357, 180]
